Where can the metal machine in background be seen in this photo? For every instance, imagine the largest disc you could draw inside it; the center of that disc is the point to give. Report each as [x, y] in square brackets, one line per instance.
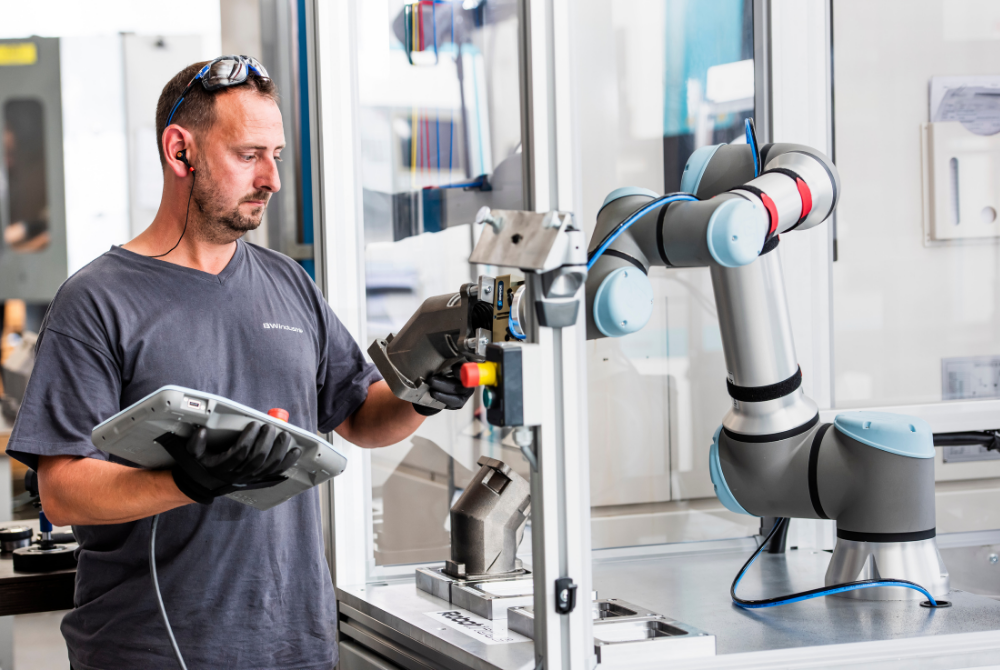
[33, 253]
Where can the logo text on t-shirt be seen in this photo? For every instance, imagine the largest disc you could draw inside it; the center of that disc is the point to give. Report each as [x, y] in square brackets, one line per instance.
[282, 327]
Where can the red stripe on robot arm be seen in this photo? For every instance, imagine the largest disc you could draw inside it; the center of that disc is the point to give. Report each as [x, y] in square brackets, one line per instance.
[806, 195]
[772, 211]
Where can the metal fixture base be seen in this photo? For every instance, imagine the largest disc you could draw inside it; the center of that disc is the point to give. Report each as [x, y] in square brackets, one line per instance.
[919, 562]
[439, 584]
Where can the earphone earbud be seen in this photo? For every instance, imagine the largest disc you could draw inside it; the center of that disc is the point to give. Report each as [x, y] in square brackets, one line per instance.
[182, 157]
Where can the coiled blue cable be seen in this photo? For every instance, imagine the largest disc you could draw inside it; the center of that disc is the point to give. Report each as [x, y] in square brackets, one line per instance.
[815, 593]
[632, 218]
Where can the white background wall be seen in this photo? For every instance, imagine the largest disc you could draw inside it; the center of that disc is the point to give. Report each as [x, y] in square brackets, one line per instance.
[900, 306]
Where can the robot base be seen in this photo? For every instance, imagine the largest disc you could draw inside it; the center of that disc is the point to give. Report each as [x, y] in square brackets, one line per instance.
[919, 562]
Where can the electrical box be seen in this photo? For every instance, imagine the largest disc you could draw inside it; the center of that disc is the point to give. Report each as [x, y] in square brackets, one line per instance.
[961, 173]
[516, 400]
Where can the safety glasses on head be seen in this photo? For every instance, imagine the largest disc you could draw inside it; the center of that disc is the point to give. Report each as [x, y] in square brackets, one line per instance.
[223, 72]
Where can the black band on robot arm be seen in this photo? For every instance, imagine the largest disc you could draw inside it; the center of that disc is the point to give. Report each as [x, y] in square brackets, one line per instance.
[625, 257]
[814, 470]
[659, 236]
[765, 393]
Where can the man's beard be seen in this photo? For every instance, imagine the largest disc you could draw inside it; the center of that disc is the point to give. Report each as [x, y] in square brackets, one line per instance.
[221, 224]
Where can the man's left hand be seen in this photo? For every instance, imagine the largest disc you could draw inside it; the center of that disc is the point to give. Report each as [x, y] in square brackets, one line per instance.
[446, 388]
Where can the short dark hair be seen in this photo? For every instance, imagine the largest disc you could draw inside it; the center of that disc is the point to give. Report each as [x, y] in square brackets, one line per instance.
[197, 112]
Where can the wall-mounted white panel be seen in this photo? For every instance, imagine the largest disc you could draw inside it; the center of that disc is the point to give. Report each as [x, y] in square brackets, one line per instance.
[94, 143]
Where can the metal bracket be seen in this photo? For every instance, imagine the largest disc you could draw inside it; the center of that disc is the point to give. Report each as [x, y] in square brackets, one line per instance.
[530, 241]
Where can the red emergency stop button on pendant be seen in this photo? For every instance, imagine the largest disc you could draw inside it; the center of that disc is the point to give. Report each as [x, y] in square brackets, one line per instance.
[278, 413]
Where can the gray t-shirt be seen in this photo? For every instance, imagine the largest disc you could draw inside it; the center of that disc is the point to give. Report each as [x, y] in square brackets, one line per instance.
[243, 588]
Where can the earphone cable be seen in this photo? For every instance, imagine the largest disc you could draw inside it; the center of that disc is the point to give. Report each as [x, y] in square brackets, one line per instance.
[187, 213]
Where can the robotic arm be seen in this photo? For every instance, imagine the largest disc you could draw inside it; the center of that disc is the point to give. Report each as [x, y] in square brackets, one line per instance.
[873, 472]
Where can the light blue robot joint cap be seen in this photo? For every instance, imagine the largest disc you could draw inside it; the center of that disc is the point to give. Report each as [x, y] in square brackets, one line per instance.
[895, 433]
[623, 303]
[722, 491]
[736, 232]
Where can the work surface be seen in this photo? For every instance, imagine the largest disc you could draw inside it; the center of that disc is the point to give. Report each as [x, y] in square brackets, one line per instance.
[693, 587]
[25, 592]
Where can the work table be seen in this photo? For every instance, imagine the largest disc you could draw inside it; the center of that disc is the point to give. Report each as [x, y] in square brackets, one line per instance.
[690, 583]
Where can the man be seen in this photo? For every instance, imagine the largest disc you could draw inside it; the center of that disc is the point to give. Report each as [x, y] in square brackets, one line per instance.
[187, 302]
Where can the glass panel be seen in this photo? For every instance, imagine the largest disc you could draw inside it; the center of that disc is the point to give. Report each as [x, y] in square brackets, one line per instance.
[27, 229]
[440, 138]
[916, 311]
[668, 76]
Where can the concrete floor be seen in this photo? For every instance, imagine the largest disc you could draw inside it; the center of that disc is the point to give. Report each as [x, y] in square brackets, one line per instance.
[38, 644]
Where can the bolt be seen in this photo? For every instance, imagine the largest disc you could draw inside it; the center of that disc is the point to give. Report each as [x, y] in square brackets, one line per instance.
[994, 558]
[487, 290]
[485, 215]
[564, 595]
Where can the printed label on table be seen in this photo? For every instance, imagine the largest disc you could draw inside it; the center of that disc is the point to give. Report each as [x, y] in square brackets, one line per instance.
[484, 630]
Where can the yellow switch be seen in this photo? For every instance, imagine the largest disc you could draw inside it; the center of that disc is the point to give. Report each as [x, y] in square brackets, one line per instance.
[479, 374]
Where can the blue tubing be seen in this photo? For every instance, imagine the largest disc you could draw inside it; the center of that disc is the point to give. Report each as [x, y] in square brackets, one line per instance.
[815, 593]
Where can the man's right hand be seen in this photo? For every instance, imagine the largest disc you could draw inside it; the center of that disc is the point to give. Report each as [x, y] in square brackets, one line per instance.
[255, 460]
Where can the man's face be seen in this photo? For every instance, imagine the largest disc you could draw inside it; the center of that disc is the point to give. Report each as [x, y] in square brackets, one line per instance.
[237, 173]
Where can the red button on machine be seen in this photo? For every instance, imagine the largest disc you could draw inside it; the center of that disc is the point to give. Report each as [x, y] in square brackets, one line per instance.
[278, 413]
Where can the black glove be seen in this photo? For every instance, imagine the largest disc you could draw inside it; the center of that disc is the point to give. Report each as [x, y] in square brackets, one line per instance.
[446, 387]
[255, 460]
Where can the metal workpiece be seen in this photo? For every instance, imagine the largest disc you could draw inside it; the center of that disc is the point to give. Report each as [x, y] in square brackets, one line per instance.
[918, 562]
[492, 599]
[753, 320]
[487, 523]
[522, 619]
[437, 336]
[435, 581]
[531, 241]
[646, 642]
[627, 636]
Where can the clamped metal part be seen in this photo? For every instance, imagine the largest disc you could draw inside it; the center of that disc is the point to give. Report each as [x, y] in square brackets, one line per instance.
[447, 329]
[487, 523]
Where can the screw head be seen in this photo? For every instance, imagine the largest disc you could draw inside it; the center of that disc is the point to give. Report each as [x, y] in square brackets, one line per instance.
[994, 558]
